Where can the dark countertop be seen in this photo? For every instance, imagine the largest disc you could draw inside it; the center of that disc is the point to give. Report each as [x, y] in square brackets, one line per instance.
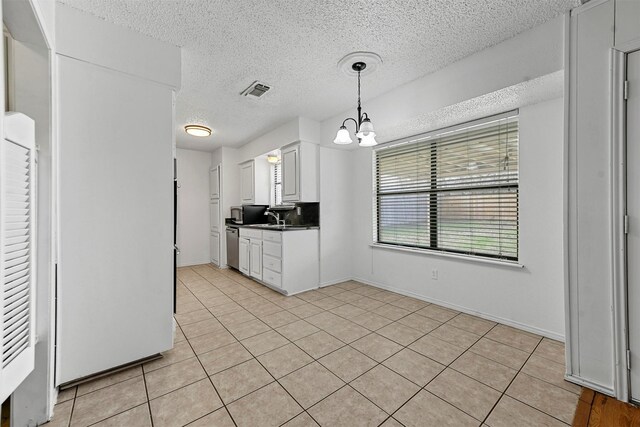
[274, 227]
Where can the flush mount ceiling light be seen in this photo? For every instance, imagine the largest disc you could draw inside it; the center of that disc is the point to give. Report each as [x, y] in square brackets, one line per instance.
[364, 128]
[197, 130]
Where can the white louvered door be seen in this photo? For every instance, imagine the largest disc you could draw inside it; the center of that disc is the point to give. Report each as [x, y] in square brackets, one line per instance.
[17, 251]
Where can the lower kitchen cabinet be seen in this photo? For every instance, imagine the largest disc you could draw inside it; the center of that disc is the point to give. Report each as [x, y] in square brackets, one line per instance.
[255, 261]
[215, 247]
[287, 261]
[243, 255]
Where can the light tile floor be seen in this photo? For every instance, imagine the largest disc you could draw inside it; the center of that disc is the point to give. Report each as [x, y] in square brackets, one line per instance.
[344, 355]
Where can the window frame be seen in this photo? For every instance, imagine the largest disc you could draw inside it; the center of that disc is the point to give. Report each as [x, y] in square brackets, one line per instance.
[433, 195]
[275, 183]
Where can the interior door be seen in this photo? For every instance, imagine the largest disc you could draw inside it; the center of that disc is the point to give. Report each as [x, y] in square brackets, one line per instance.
[17, 285]
[633, 211]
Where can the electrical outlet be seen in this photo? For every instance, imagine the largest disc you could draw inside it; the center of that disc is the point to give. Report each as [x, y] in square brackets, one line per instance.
[434, 274]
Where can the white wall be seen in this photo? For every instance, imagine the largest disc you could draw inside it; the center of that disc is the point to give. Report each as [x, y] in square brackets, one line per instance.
[529, 297]
[276, 138]
[336, 215]
[193, 207]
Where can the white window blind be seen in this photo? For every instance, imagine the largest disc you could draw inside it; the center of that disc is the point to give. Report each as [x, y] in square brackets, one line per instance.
[277, 183]
[454, 190]
[17, 252]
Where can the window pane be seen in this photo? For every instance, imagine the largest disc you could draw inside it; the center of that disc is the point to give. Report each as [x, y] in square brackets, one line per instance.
[404, 219]
[455, 191]
[479, 222]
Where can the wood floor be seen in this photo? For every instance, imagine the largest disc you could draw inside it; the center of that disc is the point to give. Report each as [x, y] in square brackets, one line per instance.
[597, 410]
[5, 414]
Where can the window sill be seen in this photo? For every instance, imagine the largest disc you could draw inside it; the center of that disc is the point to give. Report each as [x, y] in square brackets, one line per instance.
[470, 258]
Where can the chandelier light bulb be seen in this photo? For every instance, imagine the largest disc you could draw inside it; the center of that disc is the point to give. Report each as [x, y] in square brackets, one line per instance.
[343, 137]
[369, 140]
[366, 129]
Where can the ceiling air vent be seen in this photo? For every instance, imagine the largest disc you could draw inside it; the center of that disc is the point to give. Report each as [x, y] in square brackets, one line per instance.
[256, 90]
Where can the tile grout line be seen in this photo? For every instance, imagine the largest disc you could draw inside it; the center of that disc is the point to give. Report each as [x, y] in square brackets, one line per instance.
[269, 372]
[146, 391]
[446, 366]
[314, 360]
[509, 385]
[374, 331]
[224, 404]
[256, 359]
[525, 403]
[377, 363]
[73, 407]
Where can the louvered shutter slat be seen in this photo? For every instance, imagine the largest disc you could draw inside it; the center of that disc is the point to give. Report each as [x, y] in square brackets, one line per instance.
[16, 252]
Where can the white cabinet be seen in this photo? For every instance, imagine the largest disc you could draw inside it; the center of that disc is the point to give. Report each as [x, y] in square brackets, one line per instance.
[250, 259]
[255, 262]
[255, 183]
[214, 182]
[291, 173]
[243, 255]
[215, 248]
[284, 260]
[214, 214]
[290, 260]
[300, 172]
[247, 182]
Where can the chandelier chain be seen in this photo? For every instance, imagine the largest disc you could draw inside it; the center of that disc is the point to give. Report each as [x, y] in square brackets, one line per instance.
[358, 94]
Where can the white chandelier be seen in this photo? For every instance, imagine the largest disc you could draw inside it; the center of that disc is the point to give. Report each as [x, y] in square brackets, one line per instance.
[364, 128]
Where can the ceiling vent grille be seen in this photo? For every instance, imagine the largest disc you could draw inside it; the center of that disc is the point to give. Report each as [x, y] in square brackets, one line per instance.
[257, 90]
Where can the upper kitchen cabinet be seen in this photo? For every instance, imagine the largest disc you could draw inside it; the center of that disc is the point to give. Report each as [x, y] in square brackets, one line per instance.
[300, 172]
[247, 182]
[214, 182]
[254, 182]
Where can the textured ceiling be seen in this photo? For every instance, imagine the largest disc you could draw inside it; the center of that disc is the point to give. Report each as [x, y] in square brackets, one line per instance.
[294, 45]
[520, 95]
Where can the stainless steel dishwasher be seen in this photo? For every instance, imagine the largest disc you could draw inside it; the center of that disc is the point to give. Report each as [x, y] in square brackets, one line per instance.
[232, 247]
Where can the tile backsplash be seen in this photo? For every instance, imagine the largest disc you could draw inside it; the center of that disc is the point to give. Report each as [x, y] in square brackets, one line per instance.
[305, 213]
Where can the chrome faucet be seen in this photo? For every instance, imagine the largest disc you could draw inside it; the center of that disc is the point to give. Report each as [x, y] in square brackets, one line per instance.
[276, 216]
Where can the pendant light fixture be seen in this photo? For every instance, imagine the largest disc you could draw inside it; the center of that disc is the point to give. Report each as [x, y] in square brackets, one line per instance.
[364, 128]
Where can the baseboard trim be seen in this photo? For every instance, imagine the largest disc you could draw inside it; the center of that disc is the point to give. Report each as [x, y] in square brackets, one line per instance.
[590, 384]
[334, 282]
[108, 372]
[508, 322]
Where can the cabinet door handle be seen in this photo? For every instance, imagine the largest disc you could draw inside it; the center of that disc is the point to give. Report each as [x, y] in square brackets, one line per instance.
[177, 249]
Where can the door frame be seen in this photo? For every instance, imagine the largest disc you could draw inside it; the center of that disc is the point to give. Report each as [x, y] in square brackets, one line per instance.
[622, 383]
